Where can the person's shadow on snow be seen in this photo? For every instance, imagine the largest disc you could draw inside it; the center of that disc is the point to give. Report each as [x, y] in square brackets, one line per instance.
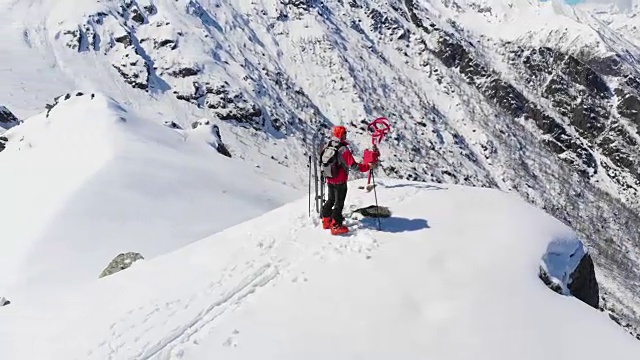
[396, 224]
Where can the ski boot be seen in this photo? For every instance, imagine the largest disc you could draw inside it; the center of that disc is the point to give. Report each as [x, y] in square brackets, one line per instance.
[338, 229]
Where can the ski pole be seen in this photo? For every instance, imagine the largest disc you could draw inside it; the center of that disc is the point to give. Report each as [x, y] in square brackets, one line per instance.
[309, 185]
[321, 192]
[375, 194]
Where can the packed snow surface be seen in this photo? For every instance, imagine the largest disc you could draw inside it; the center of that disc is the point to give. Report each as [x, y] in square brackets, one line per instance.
[451, 275]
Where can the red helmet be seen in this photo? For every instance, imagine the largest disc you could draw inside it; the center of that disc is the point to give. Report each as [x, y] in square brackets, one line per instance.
[339, 131]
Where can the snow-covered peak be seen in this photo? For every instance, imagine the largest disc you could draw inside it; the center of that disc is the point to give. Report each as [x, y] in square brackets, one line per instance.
[443, 279]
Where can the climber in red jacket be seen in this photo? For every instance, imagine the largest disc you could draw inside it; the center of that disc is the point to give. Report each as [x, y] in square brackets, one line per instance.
[336, 161]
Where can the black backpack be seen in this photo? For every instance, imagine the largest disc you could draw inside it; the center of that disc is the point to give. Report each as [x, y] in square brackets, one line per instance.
[329, 161]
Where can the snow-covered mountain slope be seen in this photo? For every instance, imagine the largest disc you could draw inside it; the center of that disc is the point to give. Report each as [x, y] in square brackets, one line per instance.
[443, 279]
[90, 179]
[534, 97]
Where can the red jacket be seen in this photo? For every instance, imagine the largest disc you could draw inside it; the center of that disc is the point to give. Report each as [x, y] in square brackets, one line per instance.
[346, 162]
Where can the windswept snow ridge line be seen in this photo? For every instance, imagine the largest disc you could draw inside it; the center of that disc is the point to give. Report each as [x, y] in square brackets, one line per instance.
[265, 274]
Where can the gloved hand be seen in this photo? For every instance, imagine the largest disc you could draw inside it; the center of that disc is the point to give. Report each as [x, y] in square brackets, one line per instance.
[376, 150]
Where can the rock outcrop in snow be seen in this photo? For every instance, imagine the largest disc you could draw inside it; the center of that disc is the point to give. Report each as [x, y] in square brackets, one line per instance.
[583, 283]
[58, 99]
[4, 301]
[121, 262]
[3, 142]
[7, 119]
[567, 268]
[217, 141]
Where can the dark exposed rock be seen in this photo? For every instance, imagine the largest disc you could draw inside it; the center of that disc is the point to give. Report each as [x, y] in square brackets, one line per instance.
[633, 83]
[374, 211]
[172, 125]
[615, 318]
[75, 39]
[241, 112]
[628, 104]
[546, 279]
[225, 104]
[582, 74]
[133, 78]
[548, 61]
[305, 5]
[137, 16]
[583, 284]
[507, 97]
[220, 146]
[126, 5]
[64, 97]
[222, 149]
[124, 40]
[590, 119]
[608, 66]
[50, 107]
[166, 43]
[121, 262]
[201, 122]
[384, 23]
[3, 142]
[4, 301]
[150, 9]
[7, 119]
[450, 51]
[185, 72]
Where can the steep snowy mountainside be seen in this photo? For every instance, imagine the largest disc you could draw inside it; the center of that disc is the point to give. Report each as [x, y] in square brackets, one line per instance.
[583, 106]
[443, 279]
[535, 97]
[89, 179]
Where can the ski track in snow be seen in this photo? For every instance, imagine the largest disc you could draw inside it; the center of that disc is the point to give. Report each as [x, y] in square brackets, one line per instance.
[248, 286]
[220, 302]
[276, 261]
[271, 287]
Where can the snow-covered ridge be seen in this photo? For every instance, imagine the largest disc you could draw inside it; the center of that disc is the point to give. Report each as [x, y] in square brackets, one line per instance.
[443, 279]
[89, 179]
